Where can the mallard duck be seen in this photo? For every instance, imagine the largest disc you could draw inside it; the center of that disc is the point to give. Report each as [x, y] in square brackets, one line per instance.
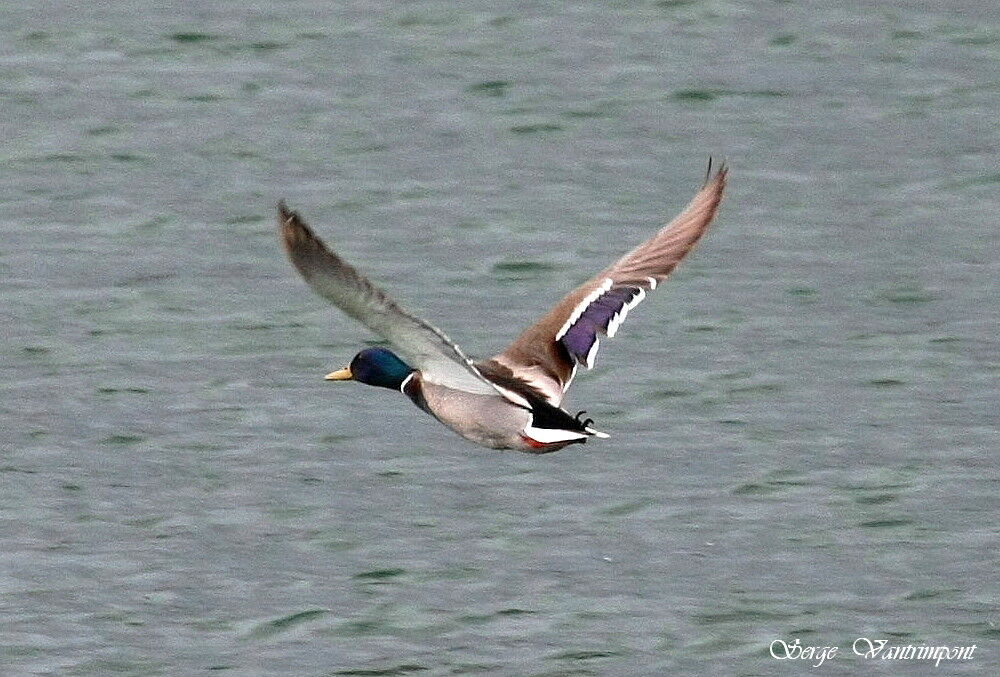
[511, 400]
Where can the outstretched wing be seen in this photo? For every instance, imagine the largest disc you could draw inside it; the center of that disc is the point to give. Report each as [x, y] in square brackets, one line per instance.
[421, 345]
[546, 355]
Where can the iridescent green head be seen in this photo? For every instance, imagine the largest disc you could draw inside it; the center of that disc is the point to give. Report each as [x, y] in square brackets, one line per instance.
[375, 367]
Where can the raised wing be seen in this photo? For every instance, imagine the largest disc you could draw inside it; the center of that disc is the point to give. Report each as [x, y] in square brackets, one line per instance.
[546, 355]
[421, 345]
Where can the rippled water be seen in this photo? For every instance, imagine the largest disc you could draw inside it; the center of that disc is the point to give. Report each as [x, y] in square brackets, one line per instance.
[804, 420]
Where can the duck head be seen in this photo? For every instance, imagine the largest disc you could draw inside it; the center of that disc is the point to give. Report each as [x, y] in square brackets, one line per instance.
[375, 367]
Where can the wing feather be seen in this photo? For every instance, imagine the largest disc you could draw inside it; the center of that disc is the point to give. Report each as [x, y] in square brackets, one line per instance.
[420, 344]
[547, 353]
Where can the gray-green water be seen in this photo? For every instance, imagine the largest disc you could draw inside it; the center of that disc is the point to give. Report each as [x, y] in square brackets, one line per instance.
[804, 420]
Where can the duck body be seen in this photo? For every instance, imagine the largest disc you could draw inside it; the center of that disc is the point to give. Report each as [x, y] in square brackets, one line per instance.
[524, 421]
[512, 400]
[491, 421]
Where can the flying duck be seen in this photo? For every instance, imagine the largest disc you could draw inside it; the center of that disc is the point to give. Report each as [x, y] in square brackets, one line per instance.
[511, 400]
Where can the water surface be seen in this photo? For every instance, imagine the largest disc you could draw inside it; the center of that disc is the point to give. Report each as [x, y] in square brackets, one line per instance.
[803, 419]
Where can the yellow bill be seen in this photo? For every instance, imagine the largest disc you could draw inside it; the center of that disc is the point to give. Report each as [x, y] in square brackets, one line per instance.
[340, 375]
